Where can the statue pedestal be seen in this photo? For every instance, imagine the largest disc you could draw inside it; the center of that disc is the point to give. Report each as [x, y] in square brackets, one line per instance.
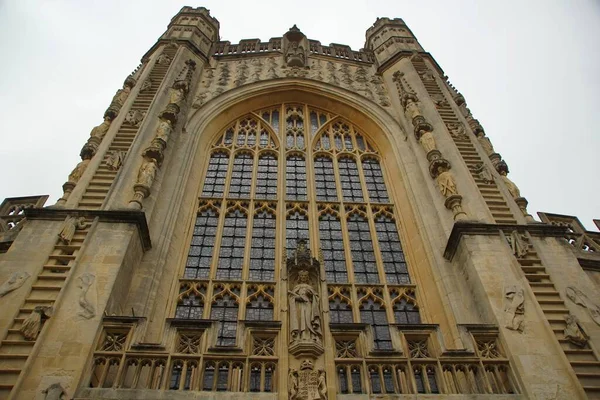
[306, 349]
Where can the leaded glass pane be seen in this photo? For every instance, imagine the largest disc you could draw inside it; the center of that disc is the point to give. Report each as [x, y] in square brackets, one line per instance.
[295, 176]
[241, 176]
[262, 252]
[259, 309]
[361, 246]
[332, 246]
[373, 314]
[255, 372]
[374, 181]
[214, 183]
[350, 180]
[340, 312]
[201, 248]
[406, 313]
[375, 380]
[343, 379]
[356, 379]
[296, 227]
[266, 178]
[233, 243]
[394, 263]
[325, 179]
[191, 307]
[225, 312]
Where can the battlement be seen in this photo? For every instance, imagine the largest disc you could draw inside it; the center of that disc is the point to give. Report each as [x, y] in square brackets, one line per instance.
[195, 12]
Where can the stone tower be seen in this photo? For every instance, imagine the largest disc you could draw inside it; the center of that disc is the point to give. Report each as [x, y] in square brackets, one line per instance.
[288, 220]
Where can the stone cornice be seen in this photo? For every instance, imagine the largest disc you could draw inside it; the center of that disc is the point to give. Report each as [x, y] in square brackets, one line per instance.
[462, 228]
[137, 218]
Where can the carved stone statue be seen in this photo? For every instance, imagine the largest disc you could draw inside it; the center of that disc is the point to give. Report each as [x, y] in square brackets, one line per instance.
[120, 97]
[115, 159]
[573, 332]
[412, 109]
[100, 130]
[147, 173]
[446, 182]
[164, 130]
[510, 185]
[163, 59]
[519, 246]
[295, 55]
[485, 143]
[427, 141]
[70, 225]
[135, 117]
[515, 308]
[88, 309]
[146, 85]
[78, 171]
[54, 392]
[580, 298]
[305, 317]
[307, 384]
[439, 100]
[457, 129]
[176, 95]
[16, 280]
[483, 173]
[33, 323]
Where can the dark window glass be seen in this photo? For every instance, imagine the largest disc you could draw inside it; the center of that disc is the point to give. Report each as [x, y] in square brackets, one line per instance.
[394, 263]
[241, 176]
[255, 372]
[332, 246]
[266, 178]
[325, 179]
[262, 253]
[373, 314]
[209, 376]
[259, 309]
[314, 123]
[350, 180]
[203, 240]
[225, 312]
[375, 380]
[222, 377]
[233, 243]
[325, 142]
[191, 307]
[406, 313]
[214, 183]
[228, 137]
[360, 142]
[340, 312]
[361, 246]
[337, 140]
[269, 371]
[432, 381]
[296, 227]
[374, 181]
[388, 379]
[176, 373]
[343, 379]
[295, 176]
[348, 142]
[356, 379]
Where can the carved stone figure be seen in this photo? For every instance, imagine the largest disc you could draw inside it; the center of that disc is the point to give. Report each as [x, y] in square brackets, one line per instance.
[135, 117]
[518, 244]
[33, 323]
[446, 182]
[412, 109]
[120, 97]
[485, 143]
[78, 171]
[483, 173]
[146, 85]
[510, 185]
[439, 100]
[163, 59]
[114, 160]
[147, 173]
[16, 280]
[295, 55]
[573, 332]
[457, 129]
[580, 298]
[88, 309]
[427, 141]
[515, 308]
[305, 317]
[54, 392]
[164, 130]
[465, 111]
[176, 95]
[427, 75]
[70, 225]
[307, 384]
[100, 130]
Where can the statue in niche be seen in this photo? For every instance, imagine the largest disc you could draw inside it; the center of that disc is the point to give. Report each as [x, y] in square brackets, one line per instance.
[88, 309]
[510, 185]
[305, 317]
[146, 85]
[515, 308]
[147, 173]
[33, 323]
[573, 332]
[581, 299]
[427, 141]
[518, 244]
[483, 173]
[100, 130]
[485, 143]
[115, 159]
[16, 280]
[54, 392]
[70, 225]
[446, 182]
[308, 383]
[78, 171]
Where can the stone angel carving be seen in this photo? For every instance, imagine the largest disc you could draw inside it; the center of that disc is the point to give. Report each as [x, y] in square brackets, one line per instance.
[15, 281]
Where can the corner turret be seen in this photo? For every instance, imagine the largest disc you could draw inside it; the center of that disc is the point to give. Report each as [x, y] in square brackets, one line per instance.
[388, 37]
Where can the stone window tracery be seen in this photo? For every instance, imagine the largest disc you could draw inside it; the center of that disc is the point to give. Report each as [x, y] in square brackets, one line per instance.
[224, 310]
[259, 304]
[373, 313]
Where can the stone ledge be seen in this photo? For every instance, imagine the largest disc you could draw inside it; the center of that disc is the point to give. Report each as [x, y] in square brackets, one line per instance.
[190, 323]
[347, 327]
[261, 324]
[461, 228]
[122, 319]
[135, 217]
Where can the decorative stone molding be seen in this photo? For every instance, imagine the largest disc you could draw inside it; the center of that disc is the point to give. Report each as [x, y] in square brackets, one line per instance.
[515, 308]
[307, 383]
[581, 299]
[30, 329]
[71, 224]
[16, 280]
[574, 333]
[87, 303]
[54, 392]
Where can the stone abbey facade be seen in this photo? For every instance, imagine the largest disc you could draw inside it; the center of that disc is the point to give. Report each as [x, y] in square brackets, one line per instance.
[288, 220]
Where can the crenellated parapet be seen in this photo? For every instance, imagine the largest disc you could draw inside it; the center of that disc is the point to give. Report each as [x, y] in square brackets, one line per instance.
[387, 38]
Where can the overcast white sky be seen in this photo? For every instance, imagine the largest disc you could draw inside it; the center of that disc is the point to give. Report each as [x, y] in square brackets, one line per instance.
[529, 70]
